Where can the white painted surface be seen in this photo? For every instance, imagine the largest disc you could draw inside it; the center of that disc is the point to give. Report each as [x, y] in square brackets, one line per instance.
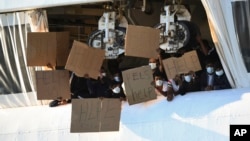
[199, 116]
[18, 5]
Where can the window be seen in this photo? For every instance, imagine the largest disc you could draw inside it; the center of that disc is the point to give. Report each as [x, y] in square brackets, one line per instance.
[241, 14]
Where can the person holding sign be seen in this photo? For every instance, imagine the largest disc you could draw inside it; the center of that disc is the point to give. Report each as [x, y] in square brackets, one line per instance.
[116, 91]
[157, 67]
[102, 85]
[190, 83]
[163, 87]
[176, 83]
[82, 87]
[117, 78]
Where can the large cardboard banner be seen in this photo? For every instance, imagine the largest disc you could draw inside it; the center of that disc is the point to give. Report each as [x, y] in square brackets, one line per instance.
[138, 86]
[52, 84]
[142, 41]
[47, 47]
[188, 62]
[85, 60]
[95, 115]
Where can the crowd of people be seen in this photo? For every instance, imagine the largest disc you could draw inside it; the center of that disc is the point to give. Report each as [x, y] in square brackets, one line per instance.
[110, 82]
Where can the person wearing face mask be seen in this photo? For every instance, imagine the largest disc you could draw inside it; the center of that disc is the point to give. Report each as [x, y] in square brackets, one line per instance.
[163, 87]
[190, 83]
[116, 91]
[157, 67]
[117, 78]
[207, 77]
[220, 80]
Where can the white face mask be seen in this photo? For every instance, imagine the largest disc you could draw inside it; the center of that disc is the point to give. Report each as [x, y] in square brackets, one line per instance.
[188, 78]
[219, 73]
[117, 78]
[152, 65]
[158, 82]
[210, 70]
[116, 90]
[103, 74]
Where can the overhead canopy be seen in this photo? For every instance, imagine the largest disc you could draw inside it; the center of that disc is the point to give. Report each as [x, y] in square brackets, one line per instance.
[17, 5]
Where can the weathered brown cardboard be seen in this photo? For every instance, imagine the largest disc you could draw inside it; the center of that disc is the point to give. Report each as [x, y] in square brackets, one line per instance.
[138, 86]
[142, 41]
[85, 60]
[110, 114]
[95, 115]
[188, 62]
[85, 115]
[63, 48]
[47, 47]
[52, 84]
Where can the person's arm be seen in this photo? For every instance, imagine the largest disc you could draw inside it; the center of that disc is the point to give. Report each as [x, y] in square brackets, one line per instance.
[90, 85]
[182, 89]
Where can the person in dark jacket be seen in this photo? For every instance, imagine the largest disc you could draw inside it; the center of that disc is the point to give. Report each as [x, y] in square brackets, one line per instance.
[207, 77]
[82, 87]
[102, 85]
[220, 80]
[190, 83]
[116, 91]
[157, 67]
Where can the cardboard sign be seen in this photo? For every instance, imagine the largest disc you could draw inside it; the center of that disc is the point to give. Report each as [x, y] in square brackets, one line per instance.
[110, 114]
[95, 115]
[63, 48]
[188, 62]
[52, 84]
[85, 60]
[47, 47]
[142, 41]
[138, 86]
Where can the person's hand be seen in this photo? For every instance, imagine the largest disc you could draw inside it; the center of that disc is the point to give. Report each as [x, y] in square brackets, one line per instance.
[178, 79]
[192, 73]
[123, 99]
[158, 50]
[209, 88]
[86, 75]
[49, 65]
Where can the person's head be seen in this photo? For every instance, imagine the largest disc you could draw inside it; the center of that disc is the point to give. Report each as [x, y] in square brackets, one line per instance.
[158, 80]
[152, 63]
[103, 72]
[188, 77]
[219, 71]
[117, 77]
[210, 68]
[115, 88]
